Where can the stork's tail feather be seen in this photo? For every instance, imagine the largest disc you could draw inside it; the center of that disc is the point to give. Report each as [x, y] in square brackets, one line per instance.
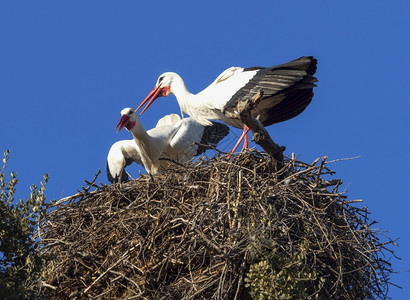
[305, 63]
[212, 135]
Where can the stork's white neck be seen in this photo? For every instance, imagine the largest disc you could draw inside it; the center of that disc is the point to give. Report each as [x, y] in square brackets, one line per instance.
[149, 148]
[195, 105]
[179, 89]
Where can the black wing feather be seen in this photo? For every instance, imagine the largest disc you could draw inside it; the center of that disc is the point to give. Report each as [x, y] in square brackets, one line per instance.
[212, 135]
[124, 175]
[288, 89]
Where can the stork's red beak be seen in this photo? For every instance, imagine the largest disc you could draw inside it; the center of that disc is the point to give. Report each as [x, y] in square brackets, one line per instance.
[154, 94]
[122, 122]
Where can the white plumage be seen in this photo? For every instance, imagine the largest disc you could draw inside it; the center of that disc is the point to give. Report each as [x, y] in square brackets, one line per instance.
[171, 138]
[287, 88]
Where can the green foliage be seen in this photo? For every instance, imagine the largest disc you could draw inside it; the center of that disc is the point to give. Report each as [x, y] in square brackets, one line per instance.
[20, 263]
[277, 274]
[281, 276]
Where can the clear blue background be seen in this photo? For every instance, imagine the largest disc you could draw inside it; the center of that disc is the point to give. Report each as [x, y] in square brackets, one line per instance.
[67, 68]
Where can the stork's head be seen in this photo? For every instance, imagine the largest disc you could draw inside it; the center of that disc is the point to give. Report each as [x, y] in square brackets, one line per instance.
[163, 88]
[128, 119]
[165, 81]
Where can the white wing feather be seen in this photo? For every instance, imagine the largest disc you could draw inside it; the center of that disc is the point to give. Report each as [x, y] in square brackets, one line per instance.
[182, 146]
[170, 119]
[226, 74]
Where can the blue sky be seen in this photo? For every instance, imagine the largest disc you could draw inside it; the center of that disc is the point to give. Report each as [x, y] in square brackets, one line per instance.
[67, 68]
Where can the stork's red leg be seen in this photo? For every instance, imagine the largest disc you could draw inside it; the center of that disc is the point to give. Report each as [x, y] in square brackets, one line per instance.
[244, 135]
[245, 142]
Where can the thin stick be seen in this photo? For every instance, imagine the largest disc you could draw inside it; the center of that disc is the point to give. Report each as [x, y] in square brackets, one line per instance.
[79, 194]
[106, 271]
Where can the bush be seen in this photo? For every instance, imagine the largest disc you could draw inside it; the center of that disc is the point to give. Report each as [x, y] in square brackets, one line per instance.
[20, 263]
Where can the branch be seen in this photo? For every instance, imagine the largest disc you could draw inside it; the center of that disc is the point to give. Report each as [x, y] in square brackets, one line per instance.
[210, 147]
[84, 192]
[260, 134]
[106, 271]
[173, 161]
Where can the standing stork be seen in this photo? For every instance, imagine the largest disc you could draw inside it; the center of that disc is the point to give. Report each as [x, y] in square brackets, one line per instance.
[171, 138]
[287, 91]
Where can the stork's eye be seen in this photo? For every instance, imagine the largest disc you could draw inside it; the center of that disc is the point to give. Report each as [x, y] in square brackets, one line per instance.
[160, 79]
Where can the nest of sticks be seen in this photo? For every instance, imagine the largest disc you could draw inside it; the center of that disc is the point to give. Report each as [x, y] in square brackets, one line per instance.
[216, 229]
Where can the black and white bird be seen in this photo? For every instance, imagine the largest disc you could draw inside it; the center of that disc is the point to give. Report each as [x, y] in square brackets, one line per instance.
[173, 138]
[287, 91]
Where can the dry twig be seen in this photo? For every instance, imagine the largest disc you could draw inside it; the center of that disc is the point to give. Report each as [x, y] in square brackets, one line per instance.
[200, 231]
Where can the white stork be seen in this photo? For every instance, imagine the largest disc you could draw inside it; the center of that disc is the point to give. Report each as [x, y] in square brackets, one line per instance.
[171, 138]
[287, 88]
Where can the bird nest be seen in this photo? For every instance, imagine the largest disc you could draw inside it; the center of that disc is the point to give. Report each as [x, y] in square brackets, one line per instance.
[216, 229]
